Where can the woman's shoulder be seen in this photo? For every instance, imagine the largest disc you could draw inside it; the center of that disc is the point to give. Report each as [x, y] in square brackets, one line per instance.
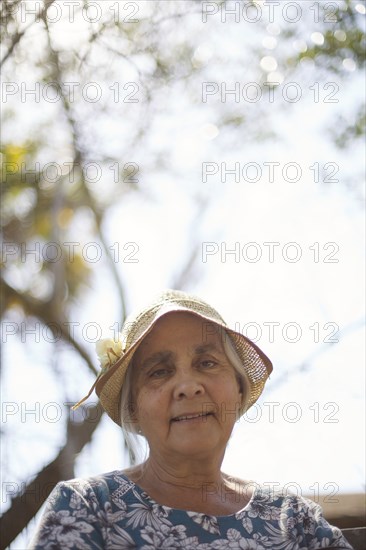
[289, 501]
[94, 492]
[101, 484]
[272, 494]
[134, 473]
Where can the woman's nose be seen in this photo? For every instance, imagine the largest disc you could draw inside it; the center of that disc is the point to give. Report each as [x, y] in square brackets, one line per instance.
[188, 385]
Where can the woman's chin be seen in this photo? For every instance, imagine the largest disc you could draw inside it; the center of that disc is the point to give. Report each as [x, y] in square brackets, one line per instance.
[194, 443]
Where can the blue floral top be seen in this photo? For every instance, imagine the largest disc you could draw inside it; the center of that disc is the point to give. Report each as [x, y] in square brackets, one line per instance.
[110, 512]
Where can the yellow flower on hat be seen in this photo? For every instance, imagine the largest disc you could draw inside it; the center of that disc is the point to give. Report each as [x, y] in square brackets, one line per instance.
[108, 351]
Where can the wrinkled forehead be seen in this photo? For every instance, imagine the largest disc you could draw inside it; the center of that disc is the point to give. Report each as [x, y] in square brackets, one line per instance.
[176, 327]
[178, 323]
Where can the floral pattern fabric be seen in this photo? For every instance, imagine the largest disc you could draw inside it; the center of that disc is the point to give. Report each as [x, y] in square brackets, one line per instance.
[110, 512]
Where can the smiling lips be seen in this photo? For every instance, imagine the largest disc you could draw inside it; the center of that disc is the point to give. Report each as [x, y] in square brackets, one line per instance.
[192, 416]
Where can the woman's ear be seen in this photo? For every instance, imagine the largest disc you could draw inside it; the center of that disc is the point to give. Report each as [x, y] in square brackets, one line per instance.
[240, 385]
[130, 415]
[135, 419]
[132, 406]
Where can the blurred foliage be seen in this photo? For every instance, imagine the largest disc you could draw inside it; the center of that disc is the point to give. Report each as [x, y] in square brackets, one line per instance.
[343, 49]
[46, 207]
[351, 132]
[41, 206]
[345, 39]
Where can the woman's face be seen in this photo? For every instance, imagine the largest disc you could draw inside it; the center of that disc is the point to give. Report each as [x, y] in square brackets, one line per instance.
[185, 391]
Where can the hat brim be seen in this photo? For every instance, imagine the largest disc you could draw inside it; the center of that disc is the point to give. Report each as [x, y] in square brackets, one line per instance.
[256, 365]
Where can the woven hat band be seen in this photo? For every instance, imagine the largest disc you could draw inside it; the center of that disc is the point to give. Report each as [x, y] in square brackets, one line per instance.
[135, 327]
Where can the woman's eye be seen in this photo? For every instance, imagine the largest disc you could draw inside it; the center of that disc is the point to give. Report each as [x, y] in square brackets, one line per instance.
[208, 364]
[158, 373]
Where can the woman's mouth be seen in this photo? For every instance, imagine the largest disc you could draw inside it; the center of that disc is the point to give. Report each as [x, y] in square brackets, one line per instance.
[192, 417]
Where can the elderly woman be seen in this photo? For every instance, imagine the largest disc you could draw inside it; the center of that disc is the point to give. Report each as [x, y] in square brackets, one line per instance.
[181, 378]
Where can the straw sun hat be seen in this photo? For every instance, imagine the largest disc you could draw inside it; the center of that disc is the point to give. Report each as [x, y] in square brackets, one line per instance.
[115, 356]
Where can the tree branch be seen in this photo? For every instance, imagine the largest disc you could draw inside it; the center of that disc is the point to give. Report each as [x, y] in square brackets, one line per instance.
[26, 504]
[307, 364]
[187, 270]
[42, 311]
[79, 159]
[19, 35]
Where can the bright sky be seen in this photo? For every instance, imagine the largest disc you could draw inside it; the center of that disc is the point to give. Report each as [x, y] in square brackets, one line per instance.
[322, 450]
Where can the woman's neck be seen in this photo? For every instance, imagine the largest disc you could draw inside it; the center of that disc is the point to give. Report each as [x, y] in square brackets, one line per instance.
[188, 474]
[203, 488]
